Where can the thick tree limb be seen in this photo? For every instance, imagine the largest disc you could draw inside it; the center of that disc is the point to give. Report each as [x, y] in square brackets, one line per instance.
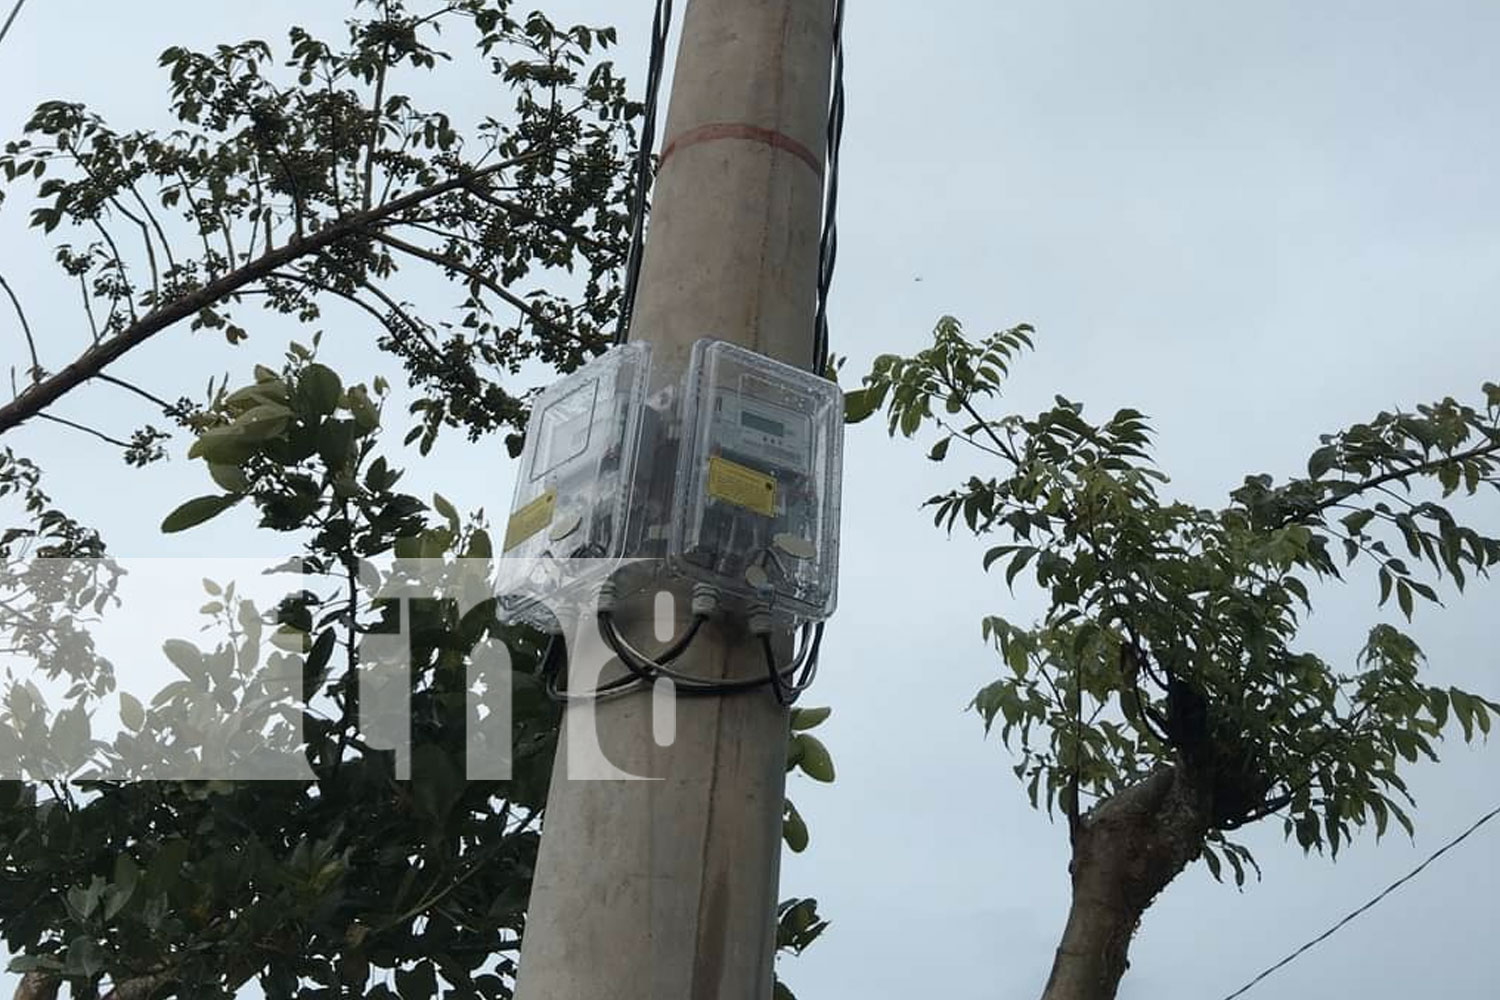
[94, 360]
[38, 986]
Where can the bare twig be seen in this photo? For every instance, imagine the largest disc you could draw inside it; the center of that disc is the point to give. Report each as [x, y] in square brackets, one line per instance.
[401, 314]
[88, 307]
[135, 389]
[377, 105]
[87, 430]
[36, 364]
[477, 277]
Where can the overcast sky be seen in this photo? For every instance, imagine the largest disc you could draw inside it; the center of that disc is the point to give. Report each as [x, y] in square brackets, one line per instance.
[1255, 222]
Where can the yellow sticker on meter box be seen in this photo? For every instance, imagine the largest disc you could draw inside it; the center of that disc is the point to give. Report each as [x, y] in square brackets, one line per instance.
[741, 485]
[529, 520]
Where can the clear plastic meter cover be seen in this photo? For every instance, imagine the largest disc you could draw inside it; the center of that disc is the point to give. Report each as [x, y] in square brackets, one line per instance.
[566, 529]
[757, 492]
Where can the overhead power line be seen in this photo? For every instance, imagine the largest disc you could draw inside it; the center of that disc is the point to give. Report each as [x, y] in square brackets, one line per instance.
[5, 30]
[1383, 893]
[661, 26]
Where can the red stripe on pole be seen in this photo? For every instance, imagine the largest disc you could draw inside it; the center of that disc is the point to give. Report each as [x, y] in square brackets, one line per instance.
[753, 133]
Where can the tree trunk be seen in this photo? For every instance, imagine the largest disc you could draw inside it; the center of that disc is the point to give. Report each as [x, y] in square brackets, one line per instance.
[1125, 851]
[38, 986]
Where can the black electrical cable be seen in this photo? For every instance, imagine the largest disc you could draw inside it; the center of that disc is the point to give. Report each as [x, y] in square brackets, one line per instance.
[1378, 897]
[649, 670]
[661, 25]
[805, 664]
[828, 243]
[551, 670]
[786, 681]
[677, 647]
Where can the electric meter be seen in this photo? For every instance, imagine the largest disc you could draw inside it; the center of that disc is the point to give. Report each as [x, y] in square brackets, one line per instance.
[567, 526]
[756, 498]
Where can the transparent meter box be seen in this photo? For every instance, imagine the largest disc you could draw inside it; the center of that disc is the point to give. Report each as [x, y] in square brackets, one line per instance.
[756, 502]
[567, 525]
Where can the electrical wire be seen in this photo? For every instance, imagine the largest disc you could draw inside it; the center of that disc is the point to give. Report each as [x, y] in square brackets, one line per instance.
[804, 667]
[1381, 895]
[828, 242]
[788, 682]
[828, 239]
[551, 672]
[10, 19]
[661, 26]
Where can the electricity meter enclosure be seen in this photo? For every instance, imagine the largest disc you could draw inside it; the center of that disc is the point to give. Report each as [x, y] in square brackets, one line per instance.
[756, 498]
[568, 523]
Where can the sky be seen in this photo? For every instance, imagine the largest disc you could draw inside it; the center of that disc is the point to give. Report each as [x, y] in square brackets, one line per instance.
[1254, 222]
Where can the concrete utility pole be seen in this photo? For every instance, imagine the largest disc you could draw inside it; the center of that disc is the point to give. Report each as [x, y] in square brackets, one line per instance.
[666, 889]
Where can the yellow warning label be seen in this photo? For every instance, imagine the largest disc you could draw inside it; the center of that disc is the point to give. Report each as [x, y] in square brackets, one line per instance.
[529, 520]
[741, 485]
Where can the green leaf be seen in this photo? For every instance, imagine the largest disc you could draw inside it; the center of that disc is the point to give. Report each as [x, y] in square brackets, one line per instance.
[263, 422]
[1017, 564]
[940, 450]
[229, 476]
[1212, 861]
[223, 445]
[1321, 461]
[808, 718]
[813, 757]
[185, 657]
[85, 957]
[418, 982]
[794, 829]
[320, 388]
[196, 511]
[443, 507]
[131, 712]
[126, 877]
[859, 404]
[480, 546]
[366, 416]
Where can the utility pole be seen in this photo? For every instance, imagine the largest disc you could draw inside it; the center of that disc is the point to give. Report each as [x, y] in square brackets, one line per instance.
[666, 889]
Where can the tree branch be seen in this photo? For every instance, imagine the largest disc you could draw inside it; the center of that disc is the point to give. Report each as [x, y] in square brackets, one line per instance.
[166, 406]
[478, 277]
[94, 360]
[356, 300]
[376, 104]
[526, 213]
[36, 364]
[87, 430]
[37, 985]
[1421, 468]
[88, 308]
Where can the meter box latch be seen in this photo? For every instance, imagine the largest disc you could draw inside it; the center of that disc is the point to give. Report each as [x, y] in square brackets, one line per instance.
[756, 498]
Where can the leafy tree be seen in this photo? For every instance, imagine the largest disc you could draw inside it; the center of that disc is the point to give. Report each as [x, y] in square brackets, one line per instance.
[296, 183]
[1162, 703]
[310, 176]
